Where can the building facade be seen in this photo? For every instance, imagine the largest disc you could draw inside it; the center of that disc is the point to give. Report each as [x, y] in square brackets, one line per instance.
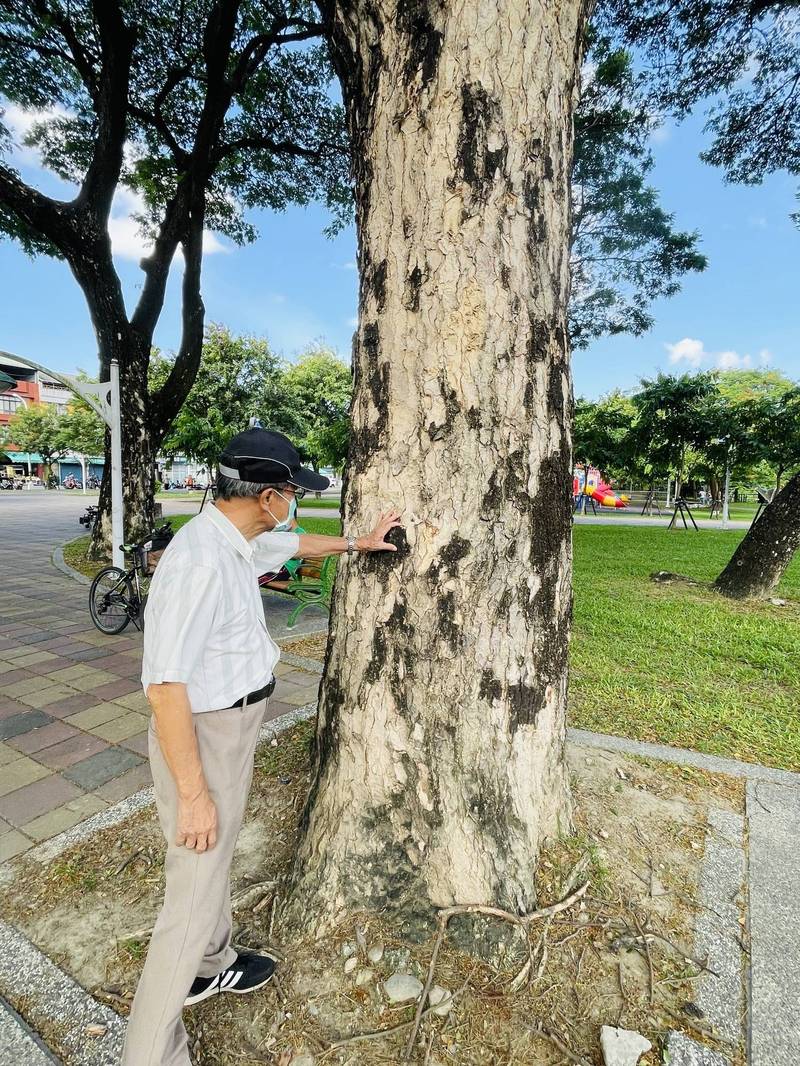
[33, 387]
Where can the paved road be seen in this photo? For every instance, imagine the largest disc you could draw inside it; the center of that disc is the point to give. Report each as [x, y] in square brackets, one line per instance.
[73, 717]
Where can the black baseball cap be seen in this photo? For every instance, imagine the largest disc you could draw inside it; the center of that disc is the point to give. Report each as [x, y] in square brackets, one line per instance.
[267, 457]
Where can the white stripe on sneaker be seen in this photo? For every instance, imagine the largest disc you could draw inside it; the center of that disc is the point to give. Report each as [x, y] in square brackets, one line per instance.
[231, 978]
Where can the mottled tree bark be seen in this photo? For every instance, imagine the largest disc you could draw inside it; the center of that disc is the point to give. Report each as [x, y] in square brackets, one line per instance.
[439, 764]
[760, 560]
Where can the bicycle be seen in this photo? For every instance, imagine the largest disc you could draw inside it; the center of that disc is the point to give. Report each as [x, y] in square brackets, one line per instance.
[118, 597]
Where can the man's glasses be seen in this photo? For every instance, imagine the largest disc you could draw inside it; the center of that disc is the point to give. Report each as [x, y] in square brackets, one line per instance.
[298, 492]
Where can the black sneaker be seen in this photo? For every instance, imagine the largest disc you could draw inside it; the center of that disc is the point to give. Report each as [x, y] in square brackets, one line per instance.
[248, 973]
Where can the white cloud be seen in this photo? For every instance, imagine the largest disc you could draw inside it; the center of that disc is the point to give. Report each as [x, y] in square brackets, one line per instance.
[353, 322]
[733, 361]
[687, 350]
[20, 123]
[693, 352]
[127, 241]
[351, 264]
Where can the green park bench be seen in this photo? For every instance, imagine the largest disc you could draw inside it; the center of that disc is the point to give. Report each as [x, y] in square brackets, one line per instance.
[311, 585]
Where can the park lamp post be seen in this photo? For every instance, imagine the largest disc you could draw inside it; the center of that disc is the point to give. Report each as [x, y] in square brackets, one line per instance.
[103, 398]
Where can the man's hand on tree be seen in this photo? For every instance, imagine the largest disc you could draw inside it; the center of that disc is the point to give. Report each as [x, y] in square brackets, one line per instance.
[376, 540]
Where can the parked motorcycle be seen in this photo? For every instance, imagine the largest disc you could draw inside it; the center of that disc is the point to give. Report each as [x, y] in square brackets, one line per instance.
[89, 517]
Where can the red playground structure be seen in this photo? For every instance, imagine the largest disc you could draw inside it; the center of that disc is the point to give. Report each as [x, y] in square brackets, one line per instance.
[588, 483]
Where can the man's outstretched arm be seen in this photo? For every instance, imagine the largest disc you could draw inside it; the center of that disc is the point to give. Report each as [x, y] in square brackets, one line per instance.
[316, 544]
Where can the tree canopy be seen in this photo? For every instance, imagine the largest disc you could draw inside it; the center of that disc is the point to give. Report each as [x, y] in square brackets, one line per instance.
[626, 251]
[741, 59]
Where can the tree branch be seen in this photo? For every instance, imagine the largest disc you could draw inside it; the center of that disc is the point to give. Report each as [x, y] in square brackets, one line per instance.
[111, 105]
[284, 147]
[34, 209]
[167, 402]
[81, 57]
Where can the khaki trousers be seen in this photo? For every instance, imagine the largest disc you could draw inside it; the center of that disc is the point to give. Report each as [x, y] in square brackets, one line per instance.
[192, 937]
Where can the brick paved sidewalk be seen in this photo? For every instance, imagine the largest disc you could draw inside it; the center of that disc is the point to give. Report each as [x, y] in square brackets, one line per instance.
[73, 717]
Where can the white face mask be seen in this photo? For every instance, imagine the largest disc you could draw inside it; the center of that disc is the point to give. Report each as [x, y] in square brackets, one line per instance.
[281, 527]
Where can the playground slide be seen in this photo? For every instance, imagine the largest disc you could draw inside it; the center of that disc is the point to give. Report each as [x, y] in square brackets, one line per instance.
[605, 497]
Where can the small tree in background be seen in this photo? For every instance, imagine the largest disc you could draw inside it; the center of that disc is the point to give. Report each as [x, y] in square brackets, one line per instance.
[239, 377]
[602, 433]
[318, 388]
[81, 430]
[671, 419]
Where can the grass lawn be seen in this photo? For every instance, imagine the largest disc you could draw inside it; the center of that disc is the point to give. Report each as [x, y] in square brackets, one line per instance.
[75, 550]
[672, 663]
[677, 664]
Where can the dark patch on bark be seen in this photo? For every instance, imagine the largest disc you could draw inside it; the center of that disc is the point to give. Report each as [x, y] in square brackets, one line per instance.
[449, 630]
[413, 285]
[365, 440]
[525, 701]
[392, 642]
[326, 737]
[538, 340]
[490, 687]
[476, 163]
[456, 549]
[452, 409]
[505, 276]
[549, 514]
[555, 392]
[379, 285]
[424, 40]
[473, 417]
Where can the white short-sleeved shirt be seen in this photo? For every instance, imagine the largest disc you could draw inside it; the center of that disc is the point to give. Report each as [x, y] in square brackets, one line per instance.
[204, 620]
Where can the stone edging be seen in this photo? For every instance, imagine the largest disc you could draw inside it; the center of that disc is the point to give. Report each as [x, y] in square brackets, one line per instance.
[57, 559]
[718, 764]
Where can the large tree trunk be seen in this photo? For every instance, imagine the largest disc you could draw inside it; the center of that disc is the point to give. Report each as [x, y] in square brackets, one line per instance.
[439, 762]
[760, 560]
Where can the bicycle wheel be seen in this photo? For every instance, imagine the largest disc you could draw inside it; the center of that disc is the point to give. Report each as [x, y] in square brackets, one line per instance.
[111, 600]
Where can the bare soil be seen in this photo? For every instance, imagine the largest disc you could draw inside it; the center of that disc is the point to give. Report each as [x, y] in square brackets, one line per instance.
[620, 955]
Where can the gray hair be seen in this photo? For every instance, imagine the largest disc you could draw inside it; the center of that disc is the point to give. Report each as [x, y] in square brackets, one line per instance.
[229, 488]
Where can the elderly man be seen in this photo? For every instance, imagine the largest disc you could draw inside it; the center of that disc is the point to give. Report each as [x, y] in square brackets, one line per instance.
[208, 671]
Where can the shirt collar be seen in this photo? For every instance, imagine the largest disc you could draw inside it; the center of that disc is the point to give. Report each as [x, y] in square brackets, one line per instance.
[234, 536]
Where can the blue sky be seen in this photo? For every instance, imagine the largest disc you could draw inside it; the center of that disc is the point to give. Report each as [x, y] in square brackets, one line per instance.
[296, 287]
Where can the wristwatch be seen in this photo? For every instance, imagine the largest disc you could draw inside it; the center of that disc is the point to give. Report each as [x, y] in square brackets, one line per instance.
[351, 545]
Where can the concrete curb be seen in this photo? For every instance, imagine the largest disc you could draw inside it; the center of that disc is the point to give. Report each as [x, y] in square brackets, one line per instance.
[19, 1044]
[722, 896]
[57, 559]
[717, 764]
[54, 996]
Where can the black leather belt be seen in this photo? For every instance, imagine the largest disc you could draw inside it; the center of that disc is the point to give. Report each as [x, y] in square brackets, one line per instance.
[257, 696]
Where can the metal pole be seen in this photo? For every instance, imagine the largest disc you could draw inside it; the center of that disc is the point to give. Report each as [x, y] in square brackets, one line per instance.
[726, 490]
[117, 523]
